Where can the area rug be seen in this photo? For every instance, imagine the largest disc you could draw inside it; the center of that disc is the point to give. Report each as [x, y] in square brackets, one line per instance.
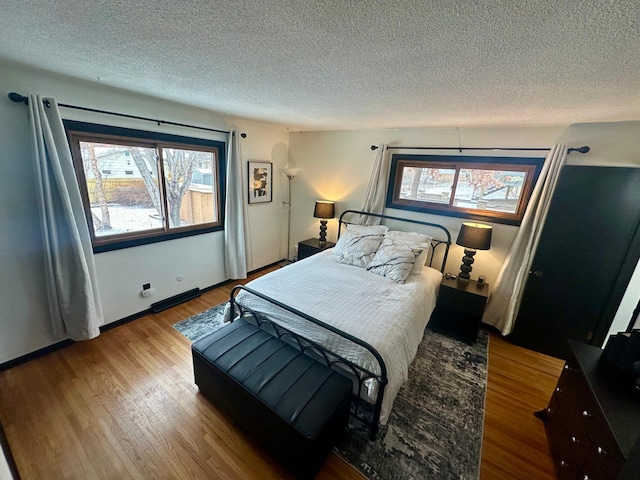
[435, 428]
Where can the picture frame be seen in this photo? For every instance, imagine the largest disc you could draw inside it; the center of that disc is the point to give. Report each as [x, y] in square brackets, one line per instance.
[260, 182]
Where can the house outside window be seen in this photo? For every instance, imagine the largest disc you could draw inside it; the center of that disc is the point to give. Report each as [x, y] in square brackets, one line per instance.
[494, 189]
[149, 194]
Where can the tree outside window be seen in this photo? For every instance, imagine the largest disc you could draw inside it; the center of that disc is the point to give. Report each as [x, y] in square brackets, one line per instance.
[158, 186]
[485, 188]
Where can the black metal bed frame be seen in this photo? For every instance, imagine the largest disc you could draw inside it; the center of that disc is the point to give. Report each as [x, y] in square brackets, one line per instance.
[360, 409]
[434, 243]
[318, 352]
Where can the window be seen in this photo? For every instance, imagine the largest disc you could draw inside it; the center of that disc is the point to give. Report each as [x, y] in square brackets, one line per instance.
[494, 189]
[142, 187]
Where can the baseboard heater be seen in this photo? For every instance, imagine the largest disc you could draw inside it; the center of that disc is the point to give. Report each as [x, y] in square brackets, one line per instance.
[175, 300]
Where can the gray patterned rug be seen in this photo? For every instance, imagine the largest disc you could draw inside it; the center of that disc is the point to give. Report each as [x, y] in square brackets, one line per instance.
[435, 428]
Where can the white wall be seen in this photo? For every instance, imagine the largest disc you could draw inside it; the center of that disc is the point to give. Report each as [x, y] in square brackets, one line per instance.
[336, 166]
[24, 325]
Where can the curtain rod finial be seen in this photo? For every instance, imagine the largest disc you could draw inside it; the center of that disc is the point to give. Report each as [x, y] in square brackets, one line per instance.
[374, 147]
[16, 97]
[243, 135]
[583, 149]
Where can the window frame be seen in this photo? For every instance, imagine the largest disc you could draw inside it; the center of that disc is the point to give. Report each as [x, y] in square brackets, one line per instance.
[530, 165]
[83, 131]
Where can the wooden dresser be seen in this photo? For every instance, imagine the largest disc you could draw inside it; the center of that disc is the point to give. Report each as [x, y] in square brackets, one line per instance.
[593, 419]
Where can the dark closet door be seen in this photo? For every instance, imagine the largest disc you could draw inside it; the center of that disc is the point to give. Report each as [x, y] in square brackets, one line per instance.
[588, 244]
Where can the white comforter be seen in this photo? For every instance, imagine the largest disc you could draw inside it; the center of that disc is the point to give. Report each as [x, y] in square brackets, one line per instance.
[389, 316]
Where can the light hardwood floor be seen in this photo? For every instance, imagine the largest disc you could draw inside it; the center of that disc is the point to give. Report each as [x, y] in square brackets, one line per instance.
[124, 405]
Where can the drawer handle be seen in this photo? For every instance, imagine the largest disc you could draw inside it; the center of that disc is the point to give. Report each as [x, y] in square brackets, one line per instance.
[586, 414]
[549, 411]
[558, 389]
[564, 464]
[586, 477]
[574, 440]
[601, 451]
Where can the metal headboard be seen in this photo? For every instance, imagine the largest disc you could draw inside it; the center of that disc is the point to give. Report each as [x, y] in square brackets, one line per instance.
[435, 243]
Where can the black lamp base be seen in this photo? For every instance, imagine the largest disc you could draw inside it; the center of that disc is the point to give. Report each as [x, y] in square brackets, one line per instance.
[465, 268]
[322, 241]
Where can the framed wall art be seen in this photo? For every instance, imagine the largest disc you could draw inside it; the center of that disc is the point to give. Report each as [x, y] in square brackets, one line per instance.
[260, 182]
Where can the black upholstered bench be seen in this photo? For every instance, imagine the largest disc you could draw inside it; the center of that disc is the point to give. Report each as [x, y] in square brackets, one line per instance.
[292, 405]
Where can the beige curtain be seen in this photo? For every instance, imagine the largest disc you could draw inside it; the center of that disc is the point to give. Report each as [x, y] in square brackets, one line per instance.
[70, 275]
[375, 196]
[235, 250]
[504, 300]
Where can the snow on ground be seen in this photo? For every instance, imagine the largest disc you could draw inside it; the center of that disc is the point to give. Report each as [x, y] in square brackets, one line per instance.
[125, 219]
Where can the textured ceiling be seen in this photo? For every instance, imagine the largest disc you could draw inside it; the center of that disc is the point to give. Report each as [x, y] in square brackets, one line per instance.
[348, 64]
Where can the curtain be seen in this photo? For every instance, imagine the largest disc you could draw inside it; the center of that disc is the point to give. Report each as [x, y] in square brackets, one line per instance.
[235, 256]
[70, 274]
[504, 300]
[374, 197]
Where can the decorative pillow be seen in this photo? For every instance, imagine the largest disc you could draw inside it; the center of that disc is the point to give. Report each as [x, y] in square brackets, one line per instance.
[359, 249]
[358, 229]
[415, 240]
[422, 258]
[394, 260]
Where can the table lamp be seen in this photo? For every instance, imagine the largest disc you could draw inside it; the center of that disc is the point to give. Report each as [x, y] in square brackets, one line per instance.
[472, 236]
[323, 210]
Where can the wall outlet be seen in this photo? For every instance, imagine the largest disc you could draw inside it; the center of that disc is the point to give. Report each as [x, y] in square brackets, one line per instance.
[148, 292]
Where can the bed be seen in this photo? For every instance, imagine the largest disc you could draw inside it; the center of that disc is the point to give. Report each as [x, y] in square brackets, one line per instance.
[367, 324]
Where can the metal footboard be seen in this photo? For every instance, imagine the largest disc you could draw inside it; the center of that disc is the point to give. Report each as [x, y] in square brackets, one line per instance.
[360, 408]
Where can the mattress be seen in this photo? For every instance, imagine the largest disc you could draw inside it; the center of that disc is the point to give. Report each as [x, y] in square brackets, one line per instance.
[387, 315]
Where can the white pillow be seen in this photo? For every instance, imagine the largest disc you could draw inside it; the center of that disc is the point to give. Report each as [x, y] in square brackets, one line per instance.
[422, 258]
[359, 249]
[358, 229]
[394, 260]
[415, 240]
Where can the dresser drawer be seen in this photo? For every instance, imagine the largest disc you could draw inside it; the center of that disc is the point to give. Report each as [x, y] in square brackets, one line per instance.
[588, 410]
[605, 455]
[566, 465]
[576, 436]
[593, 420]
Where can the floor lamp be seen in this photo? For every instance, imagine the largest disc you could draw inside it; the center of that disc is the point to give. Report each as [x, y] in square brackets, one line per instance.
[290, 173]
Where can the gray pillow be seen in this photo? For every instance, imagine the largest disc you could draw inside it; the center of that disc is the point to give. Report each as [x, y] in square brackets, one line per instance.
[394, 260]
[353, 229]
[359, 249]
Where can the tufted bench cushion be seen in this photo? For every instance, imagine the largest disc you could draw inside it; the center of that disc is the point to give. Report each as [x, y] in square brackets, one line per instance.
[292, 405]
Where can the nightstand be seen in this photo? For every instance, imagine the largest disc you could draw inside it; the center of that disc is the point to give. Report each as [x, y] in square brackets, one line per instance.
[311, 246]
[459, 309]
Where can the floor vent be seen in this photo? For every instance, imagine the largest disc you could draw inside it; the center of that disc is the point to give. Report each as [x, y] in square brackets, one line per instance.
[175, 300]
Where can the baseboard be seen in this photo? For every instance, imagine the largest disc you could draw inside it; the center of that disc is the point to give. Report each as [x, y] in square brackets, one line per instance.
[36, 354]
[58, 345]
[124, 320]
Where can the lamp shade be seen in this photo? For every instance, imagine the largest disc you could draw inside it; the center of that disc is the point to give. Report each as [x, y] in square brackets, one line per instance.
[324, 209]
[290, 171]
[475, 235]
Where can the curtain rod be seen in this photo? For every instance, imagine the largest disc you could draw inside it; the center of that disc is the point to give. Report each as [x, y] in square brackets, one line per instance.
[583, 149]
[16, 97]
